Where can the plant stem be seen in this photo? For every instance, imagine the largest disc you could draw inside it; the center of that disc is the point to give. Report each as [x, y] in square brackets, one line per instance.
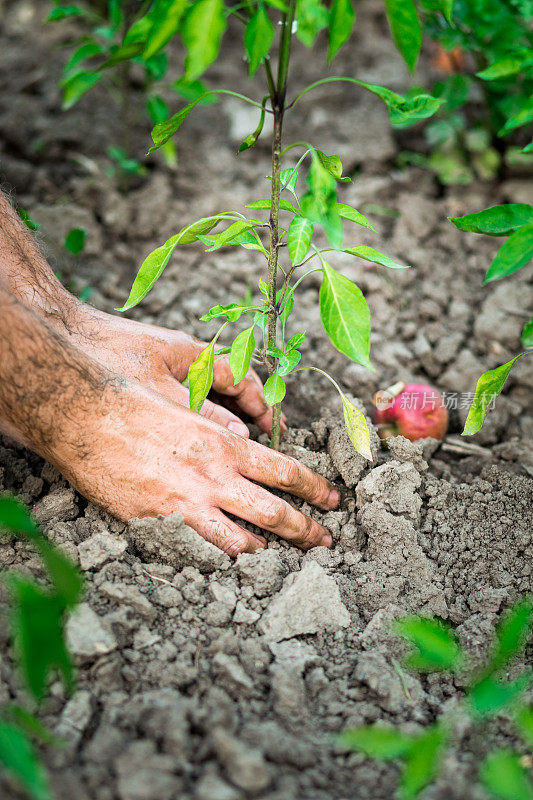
[277, 99]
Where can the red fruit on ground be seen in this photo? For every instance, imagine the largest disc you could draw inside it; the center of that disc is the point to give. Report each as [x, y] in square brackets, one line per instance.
[413, 410]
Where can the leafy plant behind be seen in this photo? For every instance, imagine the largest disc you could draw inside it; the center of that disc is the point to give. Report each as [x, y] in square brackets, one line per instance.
[303, 196]
[489, 692]
[515, 221]
[38, 615]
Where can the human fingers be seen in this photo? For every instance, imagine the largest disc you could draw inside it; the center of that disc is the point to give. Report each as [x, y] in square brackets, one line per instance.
[260, 507]
[174, 391]
[221, 531]
[279, 471]
[248, 393]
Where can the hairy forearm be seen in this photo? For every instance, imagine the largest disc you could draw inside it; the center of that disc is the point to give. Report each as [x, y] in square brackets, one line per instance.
[47, 386]
[26, 274]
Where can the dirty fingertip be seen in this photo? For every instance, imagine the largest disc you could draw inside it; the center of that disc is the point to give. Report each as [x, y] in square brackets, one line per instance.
[334, 498]
[239, 428]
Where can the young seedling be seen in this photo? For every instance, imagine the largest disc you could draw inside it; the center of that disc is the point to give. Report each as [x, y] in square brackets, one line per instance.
[514, 220]
[38, 615]
[490, 692]
[293, 212]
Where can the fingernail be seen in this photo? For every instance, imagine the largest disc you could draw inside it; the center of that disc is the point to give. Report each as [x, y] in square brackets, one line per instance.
[334, 498]
[327, 541]
[239, 428]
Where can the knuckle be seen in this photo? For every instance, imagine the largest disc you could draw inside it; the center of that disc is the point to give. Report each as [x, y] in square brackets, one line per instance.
[233, 545]
[273, 514]
[310, 535]
[289, 473]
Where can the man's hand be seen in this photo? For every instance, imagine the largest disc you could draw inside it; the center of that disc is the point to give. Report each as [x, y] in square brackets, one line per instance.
[160, 359]
[136, 453]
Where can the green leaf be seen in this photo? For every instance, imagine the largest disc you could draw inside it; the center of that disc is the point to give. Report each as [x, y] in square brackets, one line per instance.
[86, 50]
[194, 90]
[405, 28]
[288, 305]
[357, 428]
[345, 316]
[29, 724]
[15, 518]
[332, 164]
[341, 20]
[319, 204]
[527, 334]
[523, 117]
[228, 236]
[351, 214]
[274, 390]
[377, 742]
[37, 622]
[241, 354]
[422, 763]
[201, 377]
[252, 138]
[404, 109]
[288, 361]
[76, 86]
[19, 759]
[512, 634]
[524, 723]
[266, 204]
[279, 4]
[26, 219]
[258, 37]
[503, 67]
[311, 18]
[121, 54]
[299, 240]
[505, 777]
[166, 16]
[163, 131]
[370, 254]
[488, 387]
[62, 12]
[528, 148]
[232, 312]
[499, 220]
[154, 264]
[288, 178]
[435, 643]
[202, 32]
[514, 254]
[295, 341]
[75, 240]
[490, 695]
[447, 7]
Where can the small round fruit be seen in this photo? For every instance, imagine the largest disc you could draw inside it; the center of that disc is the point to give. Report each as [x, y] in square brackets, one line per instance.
[413, 410]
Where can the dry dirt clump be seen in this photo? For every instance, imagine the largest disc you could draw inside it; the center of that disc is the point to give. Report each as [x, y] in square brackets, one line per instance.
[203, 678]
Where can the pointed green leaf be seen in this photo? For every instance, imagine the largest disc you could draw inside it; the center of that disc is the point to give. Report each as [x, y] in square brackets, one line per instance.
[14, 517]
[202, 32]
[499, 220]
[504, 776]
[377, 742]
[288, 361]
[490, 695]
[512, 634]
[76, 86]
[527, 334]
[341, 20]
[357, 428]
[19, 759]
[288, 305]
[75, 241]
[332, 164]
[370, 254]
[232, 312]
[241, 354]
[524, 723]
[62, 12]
[166, 16]
[37, 622]
[86, 50]
[447, 7]
[300, 234]
[288, 178]
[155, 263]
[405, 28]
[422, 763]
[514, 254]
[252, 138]
[404, 109]
[201, 377]
[295, 341]
[258, 37]
[274, 390]
[284, 205]
[488, 387]
[523, 117]
[351, 214]
[436, 644]
[311, 17]
[345, 316]
[503, 67]
[121, 54]
[229, 236]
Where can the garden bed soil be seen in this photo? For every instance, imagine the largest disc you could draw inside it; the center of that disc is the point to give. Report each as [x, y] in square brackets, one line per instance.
[201, 678]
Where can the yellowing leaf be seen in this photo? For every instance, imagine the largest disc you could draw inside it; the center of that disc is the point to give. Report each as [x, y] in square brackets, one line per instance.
[357, 428]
